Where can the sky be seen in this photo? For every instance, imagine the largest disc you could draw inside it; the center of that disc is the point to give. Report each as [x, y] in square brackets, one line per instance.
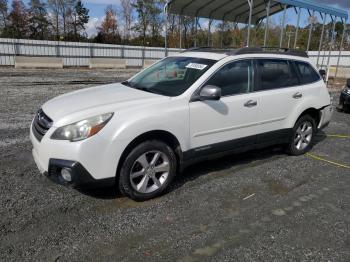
[97, 8]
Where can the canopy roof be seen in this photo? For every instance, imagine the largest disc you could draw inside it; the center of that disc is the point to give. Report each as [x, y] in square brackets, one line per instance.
[238, 10]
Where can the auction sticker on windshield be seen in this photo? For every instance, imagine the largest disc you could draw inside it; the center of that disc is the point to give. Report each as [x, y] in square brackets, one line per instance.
[196, 66]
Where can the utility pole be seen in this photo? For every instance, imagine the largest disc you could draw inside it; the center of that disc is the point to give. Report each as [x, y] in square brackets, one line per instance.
[289, 34]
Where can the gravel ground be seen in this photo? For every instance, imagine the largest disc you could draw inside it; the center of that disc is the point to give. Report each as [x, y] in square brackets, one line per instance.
[258, 206]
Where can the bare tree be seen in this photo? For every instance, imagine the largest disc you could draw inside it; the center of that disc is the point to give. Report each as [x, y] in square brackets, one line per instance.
[54, 6]
[3, 13]
[127, 15]
[66, 10]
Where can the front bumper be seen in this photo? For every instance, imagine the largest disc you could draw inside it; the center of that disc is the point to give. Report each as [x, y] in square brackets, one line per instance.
[80, 177]
[93, 161]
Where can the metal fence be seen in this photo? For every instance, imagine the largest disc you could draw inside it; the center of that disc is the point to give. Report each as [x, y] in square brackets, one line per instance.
[78, 54]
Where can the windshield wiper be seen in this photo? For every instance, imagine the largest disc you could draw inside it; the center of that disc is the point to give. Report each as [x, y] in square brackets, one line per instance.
[144, 89]
[126, 83]
[149, 90]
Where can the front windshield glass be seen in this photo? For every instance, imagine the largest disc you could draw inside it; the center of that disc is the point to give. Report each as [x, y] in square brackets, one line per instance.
[171, 76]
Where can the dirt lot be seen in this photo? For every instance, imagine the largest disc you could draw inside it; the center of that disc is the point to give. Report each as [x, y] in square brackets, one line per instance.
[258, 206]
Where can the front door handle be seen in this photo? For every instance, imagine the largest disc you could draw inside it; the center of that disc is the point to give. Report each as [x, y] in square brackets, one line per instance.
[250, 103]
[297, 95]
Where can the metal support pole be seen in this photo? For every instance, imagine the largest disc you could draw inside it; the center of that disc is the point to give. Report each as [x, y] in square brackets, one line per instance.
[209, 27]
[122, 51]
[57, 49]
[250, 2]
[289, 34]
[341, 47]
[222, 35]
[297, 29]
[180, 31]
[166, 30]
[283, 22]
[330, 48]
[196, 32]
[310, 31]
[323, 57]
[267, 22]
[143, 55]
[91, 50]
[321, 40]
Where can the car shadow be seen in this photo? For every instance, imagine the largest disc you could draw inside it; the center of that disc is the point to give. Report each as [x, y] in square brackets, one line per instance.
[234, 162]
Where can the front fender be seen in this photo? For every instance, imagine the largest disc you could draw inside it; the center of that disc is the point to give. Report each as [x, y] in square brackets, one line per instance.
[126, 126]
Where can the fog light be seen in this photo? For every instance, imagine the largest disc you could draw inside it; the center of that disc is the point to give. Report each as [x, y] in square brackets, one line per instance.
[66, 174]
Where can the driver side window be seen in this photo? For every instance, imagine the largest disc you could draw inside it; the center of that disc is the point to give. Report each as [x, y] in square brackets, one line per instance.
[234, 78]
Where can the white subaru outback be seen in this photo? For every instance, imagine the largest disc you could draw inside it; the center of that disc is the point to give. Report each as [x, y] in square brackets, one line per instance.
[196, 105]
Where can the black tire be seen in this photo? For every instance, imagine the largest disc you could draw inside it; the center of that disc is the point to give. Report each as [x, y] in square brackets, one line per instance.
[292, 147]
[127, 186]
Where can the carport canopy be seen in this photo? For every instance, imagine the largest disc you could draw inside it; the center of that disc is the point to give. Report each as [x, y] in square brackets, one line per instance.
[254, 11]
[239, 10]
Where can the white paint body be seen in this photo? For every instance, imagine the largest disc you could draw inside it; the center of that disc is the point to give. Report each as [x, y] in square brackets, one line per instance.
[194, 124]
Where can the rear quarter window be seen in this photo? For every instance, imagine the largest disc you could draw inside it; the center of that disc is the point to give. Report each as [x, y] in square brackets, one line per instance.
[307, 73]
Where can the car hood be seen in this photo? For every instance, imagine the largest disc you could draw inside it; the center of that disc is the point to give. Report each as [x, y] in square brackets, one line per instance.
[96, 100]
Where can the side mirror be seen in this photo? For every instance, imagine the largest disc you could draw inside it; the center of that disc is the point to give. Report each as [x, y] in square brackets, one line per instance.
[323, 73]
[210, 92]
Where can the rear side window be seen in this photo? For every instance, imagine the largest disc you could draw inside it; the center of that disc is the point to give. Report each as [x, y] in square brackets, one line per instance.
[276, 73]
[308, 75]
[234, 78]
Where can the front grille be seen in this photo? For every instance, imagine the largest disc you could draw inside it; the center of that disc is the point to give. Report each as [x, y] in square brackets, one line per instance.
[41, 124]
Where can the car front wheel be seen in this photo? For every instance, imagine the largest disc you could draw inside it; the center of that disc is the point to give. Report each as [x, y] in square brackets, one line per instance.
[302, 136]
[147, 170]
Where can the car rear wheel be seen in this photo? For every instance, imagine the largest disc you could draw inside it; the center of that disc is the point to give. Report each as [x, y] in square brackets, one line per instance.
[147, 170]
[302, 136]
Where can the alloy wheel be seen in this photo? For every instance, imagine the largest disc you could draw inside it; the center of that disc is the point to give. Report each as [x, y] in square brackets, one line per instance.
[149, 172]
[303, 135]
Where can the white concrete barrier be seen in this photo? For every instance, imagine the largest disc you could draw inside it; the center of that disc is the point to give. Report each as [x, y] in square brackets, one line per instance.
[148, 63]
[343, 72]
[38, 62]
[113, 63]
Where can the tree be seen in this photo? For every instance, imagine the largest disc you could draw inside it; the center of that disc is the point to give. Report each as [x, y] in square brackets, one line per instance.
[127, 15]
[156, 21]
[80, 19]
[143, 18]
[55, 14]
[18, 21]
[108, 31]
[66, 10]
[38, 22]
[3, 14]
[148, 12]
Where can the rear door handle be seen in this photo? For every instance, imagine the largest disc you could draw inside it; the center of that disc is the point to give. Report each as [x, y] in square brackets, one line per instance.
[298, 95]
[250, 103]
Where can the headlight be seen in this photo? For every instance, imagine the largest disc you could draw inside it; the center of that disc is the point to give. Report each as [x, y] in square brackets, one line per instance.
[82, 129]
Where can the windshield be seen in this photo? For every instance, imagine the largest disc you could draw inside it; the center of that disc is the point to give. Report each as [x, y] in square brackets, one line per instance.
[171, 76]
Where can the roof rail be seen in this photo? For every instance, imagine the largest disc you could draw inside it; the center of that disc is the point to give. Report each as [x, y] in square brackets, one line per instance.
[196, 49]
[268, 50]
[249, 50]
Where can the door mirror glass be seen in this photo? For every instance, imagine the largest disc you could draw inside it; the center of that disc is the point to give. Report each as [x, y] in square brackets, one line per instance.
[323, 73]
[210, 92]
